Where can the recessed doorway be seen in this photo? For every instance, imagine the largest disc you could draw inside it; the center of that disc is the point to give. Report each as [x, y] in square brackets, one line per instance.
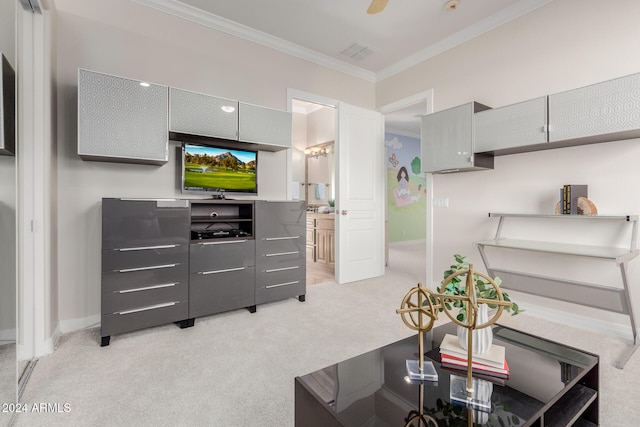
[314, 181]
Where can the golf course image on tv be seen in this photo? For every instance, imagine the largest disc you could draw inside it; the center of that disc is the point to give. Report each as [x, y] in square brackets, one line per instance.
[217, 169]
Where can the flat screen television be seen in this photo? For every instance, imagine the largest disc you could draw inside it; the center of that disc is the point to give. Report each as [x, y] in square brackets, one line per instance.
[218, 170]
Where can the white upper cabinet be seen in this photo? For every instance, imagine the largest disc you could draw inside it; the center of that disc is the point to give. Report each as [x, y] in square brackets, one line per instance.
[122, 120]
[447, 140]
[513, 128]
[606, 111]
[203, 115]
[265, 126]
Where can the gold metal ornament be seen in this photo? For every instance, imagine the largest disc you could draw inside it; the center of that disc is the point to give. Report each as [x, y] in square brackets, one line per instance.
[421, 302]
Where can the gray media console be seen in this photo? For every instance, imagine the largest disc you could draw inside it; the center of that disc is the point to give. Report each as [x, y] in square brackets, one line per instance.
[167, 261]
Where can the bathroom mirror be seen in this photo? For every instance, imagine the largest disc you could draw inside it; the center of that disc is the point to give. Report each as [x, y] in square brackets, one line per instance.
[320, 175]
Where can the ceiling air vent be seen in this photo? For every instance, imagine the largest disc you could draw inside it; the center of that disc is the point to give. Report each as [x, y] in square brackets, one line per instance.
[357, 51]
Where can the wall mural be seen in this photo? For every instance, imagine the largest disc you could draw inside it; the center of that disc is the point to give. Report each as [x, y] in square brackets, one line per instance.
[406, 192]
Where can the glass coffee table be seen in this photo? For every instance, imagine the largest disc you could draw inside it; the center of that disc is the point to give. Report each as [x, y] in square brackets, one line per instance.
[549, 384]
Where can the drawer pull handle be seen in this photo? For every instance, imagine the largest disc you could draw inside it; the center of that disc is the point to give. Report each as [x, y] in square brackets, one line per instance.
[282, 269]
[153, 267]
[151, 307]
[283, 284]
[281, 238]
[147, 288]
[222, 271]
[283, 253]
[148, 248]
[222, 243]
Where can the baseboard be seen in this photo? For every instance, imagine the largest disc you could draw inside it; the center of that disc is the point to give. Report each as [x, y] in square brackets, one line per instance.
[8, 335]
[407, 243]
[71, 325]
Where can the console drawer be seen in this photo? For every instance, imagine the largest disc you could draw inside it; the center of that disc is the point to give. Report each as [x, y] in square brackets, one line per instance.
[284, 273]
[136, 297]
[275, 245]
[140, 277]
[220, 255]
[144, 317]
[223, 290]
[142, 256]
[280, 290]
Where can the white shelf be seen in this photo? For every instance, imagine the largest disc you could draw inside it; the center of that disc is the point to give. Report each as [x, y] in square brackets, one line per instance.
[602, 297]
[619, 255]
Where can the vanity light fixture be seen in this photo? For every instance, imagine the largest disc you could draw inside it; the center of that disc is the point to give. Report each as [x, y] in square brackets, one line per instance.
[317, 152]
[144, 84]
[228, 108]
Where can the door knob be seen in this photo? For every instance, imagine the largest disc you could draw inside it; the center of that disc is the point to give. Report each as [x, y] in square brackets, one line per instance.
[344, 212]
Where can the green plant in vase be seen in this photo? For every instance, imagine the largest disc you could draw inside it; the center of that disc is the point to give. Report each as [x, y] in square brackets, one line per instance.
[483, 289]
[483, 337]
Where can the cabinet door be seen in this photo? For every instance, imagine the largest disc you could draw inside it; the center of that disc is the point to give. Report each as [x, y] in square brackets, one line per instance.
[122, 120]
[447, 139]
[204, 115]
[275, 219]
[606, 108]
[268, 127]
[511, 127]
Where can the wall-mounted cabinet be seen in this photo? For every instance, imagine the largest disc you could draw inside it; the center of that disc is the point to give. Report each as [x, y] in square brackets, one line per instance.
[602, 112]
[264, 126]
[203, 115]
[131, 121]
[122, 120]
[512, 128]
[606, 111]
[448, 141]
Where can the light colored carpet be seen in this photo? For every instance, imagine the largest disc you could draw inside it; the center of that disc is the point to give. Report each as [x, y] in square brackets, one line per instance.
[238, 368]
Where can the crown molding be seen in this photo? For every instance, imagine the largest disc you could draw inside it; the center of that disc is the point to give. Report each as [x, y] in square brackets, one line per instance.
[506, 15]
[179, 9]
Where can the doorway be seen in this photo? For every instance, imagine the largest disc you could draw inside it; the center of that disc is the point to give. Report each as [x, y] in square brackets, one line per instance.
[314, 181]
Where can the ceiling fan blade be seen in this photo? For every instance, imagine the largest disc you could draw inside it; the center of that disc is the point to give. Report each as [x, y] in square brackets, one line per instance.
[377, 6]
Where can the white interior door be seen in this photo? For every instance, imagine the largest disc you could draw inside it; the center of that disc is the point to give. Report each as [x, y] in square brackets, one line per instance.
[360, 195]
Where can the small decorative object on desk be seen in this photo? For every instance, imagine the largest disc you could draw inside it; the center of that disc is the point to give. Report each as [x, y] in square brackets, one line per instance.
[573, 200]
[428, 303]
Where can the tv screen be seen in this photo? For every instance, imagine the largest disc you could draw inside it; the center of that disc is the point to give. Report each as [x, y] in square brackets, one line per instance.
[218, 170]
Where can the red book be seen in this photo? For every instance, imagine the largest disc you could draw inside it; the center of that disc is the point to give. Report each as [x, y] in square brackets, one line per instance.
[448, 360]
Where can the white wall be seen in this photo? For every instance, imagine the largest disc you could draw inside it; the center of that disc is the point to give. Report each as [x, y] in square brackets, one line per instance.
[124, 38]
[563, 45]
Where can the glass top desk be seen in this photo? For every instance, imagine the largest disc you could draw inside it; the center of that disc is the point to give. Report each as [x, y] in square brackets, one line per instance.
[550, 384]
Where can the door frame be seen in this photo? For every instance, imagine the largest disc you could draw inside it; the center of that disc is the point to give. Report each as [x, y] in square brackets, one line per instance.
[425, 97]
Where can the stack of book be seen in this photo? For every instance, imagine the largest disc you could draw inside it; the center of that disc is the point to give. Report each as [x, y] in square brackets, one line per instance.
[492, 363]
[569, 195]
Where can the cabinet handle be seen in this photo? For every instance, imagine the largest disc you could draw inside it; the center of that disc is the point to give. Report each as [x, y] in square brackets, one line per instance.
[268, 239]
[151, 307]
[222, 271]
[283, 253]
[222, 243]
[282, 269]
[153, 267]
[144, 248]
[147, 288]
[282, 284]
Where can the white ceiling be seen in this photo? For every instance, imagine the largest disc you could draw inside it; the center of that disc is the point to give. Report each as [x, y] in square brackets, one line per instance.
[406, 33]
